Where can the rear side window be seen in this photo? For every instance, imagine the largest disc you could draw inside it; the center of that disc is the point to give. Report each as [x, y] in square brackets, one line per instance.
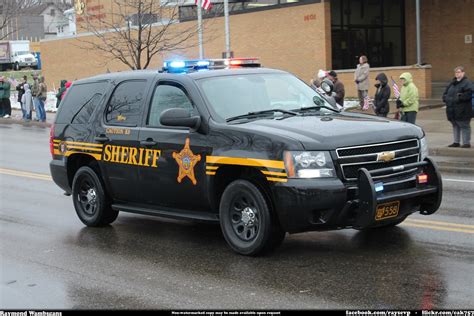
[126, 104]
[80, 102]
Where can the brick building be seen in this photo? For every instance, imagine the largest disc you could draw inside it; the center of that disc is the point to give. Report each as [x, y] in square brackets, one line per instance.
[302, 36]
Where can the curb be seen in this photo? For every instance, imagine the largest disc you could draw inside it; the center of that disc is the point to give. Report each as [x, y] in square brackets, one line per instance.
[431, 106]
[464, 171]
[451, 152]
[23, 123]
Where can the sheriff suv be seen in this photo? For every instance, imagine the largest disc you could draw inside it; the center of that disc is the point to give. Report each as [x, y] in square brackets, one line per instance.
[256, 150]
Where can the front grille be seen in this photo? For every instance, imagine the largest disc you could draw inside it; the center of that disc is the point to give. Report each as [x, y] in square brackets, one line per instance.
[28, 59]
[377, 148]
[351, 159]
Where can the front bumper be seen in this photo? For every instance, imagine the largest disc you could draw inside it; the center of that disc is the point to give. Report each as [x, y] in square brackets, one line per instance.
[28, 64]
[328, 204]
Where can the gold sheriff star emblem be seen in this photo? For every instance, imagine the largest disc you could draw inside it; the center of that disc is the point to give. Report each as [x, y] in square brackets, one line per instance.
[186, 161]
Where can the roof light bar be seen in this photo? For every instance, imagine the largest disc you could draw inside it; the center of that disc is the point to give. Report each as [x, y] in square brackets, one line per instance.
[183, 66]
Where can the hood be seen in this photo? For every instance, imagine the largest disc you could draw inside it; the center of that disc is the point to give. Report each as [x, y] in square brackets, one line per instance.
[63, 83]
[329, 132]
[26, 56]
[382, 78]
[407, 76]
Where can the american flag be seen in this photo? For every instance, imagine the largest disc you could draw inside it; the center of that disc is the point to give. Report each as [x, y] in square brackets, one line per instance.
[206, 4]
[396, 90]
[367, 103]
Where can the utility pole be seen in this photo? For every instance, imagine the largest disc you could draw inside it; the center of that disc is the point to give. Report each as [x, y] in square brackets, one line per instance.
[199, 14]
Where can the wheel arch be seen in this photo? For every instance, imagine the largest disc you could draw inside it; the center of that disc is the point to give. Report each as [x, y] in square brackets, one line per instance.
[76, 161]
[227, 174]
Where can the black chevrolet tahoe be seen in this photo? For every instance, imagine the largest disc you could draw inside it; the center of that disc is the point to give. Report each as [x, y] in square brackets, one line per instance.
[256, 150]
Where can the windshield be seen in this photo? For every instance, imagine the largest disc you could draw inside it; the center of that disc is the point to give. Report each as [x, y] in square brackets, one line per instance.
[22, 53]
[230, 96]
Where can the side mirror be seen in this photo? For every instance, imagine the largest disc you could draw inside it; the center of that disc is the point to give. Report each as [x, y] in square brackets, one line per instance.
[179, 117]
[327, 86]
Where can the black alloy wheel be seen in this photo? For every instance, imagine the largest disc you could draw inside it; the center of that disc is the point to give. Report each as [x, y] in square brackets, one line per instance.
[247, 222]
[89, 198]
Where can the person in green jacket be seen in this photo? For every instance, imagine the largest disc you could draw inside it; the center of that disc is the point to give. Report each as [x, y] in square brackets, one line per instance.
[408, 100]
[5, 97]
[60, 92]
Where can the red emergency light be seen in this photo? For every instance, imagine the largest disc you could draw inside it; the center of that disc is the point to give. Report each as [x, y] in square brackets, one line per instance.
[422, 178]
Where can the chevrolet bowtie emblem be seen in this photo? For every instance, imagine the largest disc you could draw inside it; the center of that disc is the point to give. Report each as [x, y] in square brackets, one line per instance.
[386, 156]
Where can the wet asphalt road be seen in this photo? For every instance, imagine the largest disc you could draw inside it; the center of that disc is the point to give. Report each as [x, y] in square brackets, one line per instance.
[49, 259]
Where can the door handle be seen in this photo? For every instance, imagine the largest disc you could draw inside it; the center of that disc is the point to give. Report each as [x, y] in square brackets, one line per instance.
[148, 142]
[101, 139]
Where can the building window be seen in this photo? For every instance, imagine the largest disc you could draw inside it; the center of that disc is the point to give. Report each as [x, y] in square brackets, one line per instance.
[53, 12]
[375, 28]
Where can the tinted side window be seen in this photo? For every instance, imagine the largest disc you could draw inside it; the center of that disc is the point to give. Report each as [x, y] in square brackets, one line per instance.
[167, 97]
[84, 115]
[125, 106]
[76, 99]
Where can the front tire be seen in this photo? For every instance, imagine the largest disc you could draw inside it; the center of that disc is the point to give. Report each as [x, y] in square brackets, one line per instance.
[90, 201]
[247, 223]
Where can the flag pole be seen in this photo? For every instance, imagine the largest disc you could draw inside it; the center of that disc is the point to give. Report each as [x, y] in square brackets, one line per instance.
[227, 28]
[199, 14]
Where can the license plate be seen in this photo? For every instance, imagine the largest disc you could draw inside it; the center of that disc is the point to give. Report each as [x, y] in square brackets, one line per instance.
[387, 210]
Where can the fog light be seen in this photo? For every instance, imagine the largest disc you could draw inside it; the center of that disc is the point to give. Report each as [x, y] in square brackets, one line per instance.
[422, 178]
[379, 187]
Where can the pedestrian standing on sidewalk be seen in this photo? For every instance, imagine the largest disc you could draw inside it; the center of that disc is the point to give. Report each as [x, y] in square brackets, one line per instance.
[59, 95]
[381, 105]
[34, 93]
[42, 95]
[5, 97]
[338, 88]
[27, 102]
[458, 98]
[361, 78]
[21, 90]
[408, 102]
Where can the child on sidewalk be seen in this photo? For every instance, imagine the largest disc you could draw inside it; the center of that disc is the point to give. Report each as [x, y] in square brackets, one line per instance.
[27, 102]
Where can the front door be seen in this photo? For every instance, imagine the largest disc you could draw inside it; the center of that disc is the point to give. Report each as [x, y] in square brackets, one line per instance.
[119, 135]
[178, 180]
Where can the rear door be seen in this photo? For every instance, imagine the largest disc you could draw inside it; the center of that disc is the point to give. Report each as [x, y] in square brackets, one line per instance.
[178, 180]
[119, 136]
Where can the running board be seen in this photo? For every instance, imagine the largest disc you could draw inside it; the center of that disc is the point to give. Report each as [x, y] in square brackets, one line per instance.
[175, 214]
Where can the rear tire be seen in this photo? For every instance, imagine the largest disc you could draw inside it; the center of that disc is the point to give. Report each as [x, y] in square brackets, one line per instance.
[90, 201]
[247, 223]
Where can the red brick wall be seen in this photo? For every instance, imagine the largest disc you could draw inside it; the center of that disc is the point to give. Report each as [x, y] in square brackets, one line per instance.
[443, 27]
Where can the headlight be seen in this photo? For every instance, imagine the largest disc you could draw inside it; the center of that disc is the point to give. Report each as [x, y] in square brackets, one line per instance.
[423, 148]
[309, 164]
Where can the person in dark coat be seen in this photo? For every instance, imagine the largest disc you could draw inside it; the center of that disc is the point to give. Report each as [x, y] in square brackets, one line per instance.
[21, 91]
[382, 95]
[59, 95]
[458, 98]
[338, 87]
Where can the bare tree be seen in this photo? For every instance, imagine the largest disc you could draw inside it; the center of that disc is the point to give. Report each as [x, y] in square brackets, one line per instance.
[9, 11]
[135, 31]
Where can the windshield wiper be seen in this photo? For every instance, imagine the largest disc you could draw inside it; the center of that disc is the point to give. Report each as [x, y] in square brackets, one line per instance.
[318, 107]
[259, 113]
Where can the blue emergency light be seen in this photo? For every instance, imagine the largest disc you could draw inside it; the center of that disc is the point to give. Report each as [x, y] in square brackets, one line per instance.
[184, 66]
